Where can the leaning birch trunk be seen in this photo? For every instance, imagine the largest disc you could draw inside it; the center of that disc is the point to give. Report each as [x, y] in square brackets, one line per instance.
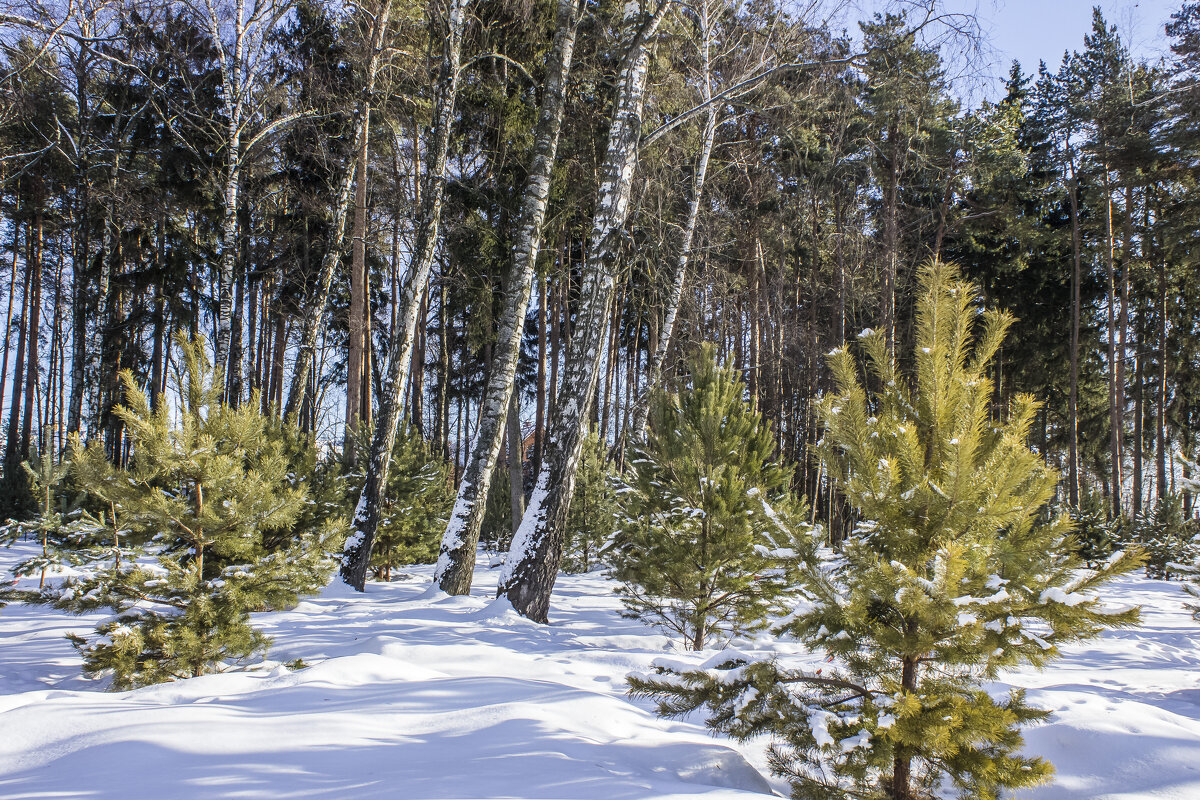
[536, 552]
[356, 557]
[314, 311]
[224, 370]
[456, 559]
[641, 408]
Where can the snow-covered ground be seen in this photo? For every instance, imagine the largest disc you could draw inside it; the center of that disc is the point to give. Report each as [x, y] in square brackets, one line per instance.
[411, 694]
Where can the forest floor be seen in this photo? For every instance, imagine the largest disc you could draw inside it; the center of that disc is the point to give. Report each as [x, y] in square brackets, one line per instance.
[414, 695]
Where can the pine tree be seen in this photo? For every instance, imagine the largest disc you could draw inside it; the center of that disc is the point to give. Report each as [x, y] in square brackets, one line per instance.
[66, 532]
[952, 575]
[417, 504]
[196, 500]
[1096, 534]
[707, 546]
[592, 518]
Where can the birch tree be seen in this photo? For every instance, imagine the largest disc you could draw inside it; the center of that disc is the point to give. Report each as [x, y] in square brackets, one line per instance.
[241, 34]
[356, 558]
[536, 551]
[456, 559]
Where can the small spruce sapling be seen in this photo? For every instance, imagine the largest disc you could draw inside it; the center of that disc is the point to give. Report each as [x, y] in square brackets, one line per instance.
[197, 498]
[708, 543]
[417, 503]
[1169, 539]
[592, 518]
[953, 575]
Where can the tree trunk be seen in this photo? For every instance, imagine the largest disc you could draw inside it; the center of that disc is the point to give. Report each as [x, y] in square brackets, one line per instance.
[1115, 391]
[355, 357]
[31, 355]
[1073, 401]
[357, 555]
[516, 463]
[12, 451]
[536, 552]
[658, 358]
[313, 311]
[456, 560]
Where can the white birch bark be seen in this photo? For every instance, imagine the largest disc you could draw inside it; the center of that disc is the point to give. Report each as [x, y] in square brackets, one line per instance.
[536, 552]
[456, 559]
[356, 557]
[658, 357]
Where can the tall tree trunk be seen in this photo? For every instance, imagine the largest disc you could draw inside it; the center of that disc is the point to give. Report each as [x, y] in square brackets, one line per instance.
[12, 450]
[456, 559]
[679, 276]
[8, 320]
[516, 463]
[1160, 412]
[228, 369]
[1073, 400]
[31, 356]
[539, 419]
[536, 552]
[357, 555]
[356, 352]
[313, 310]
[1116, 392]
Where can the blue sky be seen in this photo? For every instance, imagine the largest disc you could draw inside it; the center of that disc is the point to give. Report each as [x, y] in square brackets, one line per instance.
[1033, 30]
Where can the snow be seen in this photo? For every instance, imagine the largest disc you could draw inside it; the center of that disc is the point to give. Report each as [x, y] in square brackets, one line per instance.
[413, 693]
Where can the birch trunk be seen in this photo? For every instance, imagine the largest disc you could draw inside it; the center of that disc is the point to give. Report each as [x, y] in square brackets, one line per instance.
[356, 557]
[456, 559]
[313, 322]
[355, 357]
[536, 552]
[654, 375]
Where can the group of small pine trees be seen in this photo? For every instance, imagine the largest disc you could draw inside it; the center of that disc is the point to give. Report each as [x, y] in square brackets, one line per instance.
[953, 572]
[220, 512]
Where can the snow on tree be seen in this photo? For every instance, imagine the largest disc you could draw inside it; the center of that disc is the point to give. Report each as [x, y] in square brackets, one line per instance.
[709, 542]
[952, 575]
[196, 500]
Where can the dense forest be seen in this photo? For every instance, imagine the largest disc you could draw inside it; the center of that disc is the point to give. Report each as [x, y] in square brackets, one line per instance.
[496, 226]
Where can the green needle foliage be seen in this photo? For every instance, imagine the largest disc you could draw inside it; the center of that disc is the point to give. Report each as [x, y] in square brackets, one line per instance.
[953, 574]
[708, 544]
[196, 500]
[593, 515]
[417, 503]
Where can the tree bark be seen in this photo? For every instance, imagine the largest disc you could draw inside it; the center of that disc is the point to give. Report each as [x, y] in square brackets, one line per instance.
[536, 552]
[456, 559]
[313, 311]
[678, 279]
[356, 557]
[1073, 399]
[355, 356]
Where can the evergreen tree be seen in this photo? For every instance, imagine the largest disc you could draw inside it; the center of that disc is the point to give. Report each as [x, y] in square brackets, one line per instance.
[1170, 540]
[416, 507]
[66, 532]
[708, 545]
[196, 500]
[1096, 534]
[952, 575]
[496, 531]
[592, 518]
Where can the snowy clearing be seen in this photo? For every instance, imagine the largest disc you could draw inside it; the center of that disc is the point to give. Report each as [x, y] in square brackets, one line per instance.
[413, 694]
